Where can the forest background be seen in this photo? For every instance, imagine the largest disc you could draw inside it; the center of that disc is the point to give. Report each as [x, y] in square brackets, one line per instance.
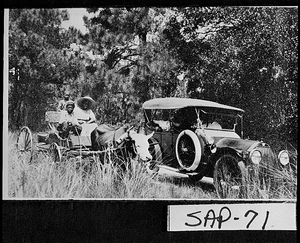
[246, 57]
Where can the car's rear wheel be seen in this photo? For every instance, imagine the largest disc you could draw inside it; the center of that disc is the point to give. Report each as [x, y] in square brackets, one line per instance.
[188, 150]
[228, 177]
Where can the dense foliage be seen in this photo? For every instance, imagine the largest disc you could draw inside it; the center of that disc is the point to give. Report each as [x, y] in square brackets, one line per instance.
[37, 65]
[245, 57]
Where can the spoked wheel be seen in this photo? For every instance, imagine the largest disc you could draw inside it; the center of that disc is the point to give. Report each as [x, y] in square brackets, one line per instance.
[228, 177]
[188, 150]
[25, 143]
[55, 153]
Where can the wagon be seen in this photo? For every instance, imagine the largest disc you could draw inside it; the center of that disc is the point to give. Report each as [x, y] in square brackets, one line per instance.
[51, 143]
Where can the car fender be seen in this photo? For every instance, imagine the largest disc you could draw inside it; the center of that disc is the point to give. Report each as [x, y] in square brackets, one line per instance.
[237, 144]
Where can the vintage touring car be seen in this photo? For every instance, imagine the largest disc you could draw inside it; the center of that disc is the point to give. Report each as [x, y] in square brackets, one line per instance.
[201, 138]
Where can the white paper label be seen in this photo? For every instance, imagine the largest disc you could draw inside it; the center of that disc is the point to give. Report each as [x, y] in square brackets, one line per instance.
[252, 216]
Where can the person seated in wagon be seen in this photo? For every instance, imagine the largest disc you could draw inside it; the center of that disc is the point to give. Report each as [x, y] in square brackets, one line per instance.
[68, 121]
[85, 116]
[62, 103]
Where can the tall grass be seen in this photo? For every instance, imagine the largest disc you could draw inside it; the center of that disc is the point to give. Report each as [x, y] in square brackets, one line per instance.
[93, 177]
[88, 178]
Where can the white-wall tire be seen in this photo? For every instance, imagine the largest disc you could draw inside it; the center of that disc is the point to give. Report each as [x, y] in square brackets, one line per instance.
[188, 150]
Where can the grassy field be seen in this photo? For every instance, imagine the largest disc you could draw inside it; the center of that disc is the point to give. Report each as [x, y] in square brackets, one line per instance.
[78, 178]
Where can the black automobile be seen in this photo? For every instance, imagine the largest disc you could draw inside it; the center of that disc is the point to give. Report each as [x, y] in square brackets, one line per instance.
[201, 138]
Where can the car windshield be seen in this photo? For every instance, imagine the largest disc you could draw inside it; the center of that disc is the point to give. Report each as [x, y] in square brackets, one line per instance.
[187, 117]
[218, 121]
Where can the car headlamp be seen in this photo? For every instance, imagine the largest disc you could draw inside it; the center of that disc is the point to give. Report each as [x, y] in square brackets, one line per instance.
[283, 157]
[255, 157]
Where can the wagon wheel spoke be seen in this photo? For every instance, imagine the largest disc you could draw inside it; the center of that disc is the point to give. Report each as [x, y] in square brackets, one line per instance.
[55, 153]
[26, 136]
[27, 144]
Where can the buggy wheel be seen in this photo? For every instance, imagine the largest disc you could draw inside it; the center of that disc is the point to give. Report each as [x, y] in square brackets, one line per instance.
[228, 177]
[55, 153]
[25, 143]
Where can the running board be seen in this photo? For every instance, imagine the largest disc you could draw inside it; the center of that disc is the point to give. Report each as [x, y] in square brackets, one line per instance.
[170, 171]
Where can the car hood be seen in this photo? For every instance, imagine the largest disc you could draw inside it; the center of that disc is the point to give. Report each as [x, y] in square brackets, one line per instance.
[237, 144]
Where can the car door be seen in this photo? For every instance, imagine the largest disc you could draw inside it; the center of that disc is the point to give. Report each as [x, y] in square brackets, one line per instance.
[167, 140]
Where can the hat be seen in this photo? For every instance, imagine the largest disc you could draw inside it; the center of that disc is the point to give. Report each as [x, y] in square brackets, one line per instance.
[70, 102]
[91, 102]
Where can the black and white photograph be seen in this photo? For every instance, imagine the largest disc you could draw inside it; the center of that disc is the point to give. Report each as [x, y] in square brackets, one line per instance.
[144, 103]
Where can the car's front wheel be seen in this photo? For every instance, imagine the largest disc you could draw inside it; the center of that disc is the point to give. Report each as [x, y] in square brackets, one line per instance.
[228, 177]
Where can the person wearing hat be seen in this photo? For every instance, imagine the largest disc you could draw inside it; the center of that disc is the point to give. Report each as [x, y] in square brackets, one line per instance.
[85, 116]
[62, 103]
[83, 110]
[68, 121]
